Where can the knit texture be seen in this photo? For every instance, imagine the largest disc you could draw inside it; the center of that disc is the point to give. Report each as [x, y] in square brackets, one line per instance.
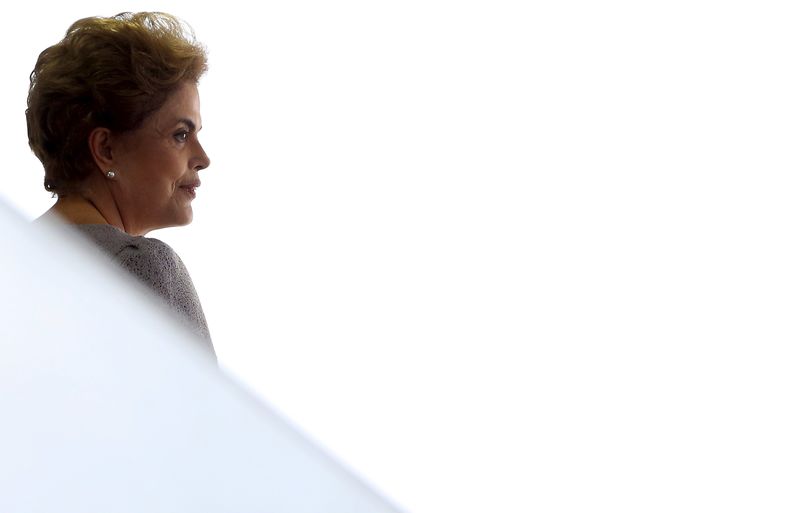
[156, 265]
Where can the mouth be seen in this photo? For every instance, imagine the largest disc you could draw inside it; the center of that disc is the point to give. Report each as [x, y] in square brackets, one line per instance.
[189, 189]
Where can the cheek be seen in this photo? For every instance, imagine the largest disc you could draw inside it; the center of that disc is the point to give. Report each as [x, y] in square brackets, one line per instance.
[157, 170]
[166, 171]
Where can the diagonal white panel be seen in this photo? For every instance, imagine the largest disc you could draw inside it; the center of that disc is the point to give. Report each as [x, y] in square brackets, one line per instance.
[108, 406]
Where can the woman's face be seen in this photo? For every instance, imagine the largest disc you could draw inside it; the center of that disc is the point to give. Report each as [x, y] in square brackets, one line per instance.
[157, 165]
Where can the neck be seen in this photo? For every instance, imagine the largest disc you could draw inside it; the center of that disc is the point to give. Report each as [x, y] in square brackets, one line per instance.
[78, 210]
[94, 205]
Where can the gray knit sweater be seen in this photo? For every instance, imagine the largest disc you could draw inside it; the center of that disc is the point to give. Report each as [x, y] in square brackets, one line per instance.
[156, 265]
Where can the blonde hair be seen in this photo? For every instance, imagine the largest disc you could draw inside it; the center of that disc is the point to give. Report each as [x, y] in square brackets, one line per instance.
[106, 72]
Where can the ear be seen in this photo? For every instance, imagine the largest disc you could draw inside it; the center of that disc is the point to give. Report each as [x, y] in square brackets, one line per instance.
[100, 147]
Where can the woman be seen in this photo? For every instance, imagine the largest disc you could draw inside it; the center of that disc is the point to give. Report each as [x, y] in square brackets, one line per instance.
[113, 115]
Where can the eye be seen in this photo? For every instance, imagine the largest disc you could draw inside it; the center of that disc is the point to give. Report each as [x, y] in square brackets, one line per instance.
[181, 136]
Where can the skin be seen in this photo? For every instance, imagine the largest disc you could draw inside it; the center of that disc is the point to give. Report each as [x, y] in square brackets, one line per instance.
[156, 171]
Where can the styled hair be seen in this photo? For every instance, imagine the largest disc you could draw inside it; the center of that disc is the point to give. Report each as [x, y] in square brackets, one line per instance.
[106, 72]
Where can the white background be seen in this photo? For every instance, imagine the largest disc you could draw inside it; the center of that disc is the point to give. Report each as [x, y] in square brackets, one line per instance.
[497, 255]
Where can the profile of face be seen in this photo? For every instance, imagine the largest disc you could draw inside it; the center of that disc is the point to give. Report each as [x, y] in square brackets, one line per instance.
[156, 167]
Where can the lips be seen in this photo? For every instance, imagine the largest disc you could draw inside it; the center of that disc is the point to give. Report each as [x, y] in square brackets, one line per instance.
[190, 188]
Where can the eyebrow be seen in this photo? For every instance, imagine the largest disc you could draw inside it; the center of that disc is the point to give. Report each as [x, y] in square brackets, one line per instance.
[189, 123]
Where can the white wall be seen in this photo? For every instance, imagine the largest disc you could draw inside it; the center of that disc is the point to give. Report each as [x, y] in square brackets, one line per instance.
[495, 254]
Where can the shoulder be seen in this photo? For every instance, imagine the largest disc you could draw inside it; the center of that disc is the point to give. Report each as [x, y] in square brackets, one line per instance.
[149, 250]
[144, 256]
[158, 267]
[155, 263]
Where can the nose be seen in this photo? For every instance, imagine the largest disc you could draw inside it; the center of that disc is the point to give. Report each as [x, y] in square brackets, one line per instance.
[201, 160]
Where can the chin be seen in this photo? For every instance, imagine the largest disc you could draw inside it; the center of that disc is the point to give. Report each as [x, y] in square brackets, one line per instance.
[185, 216]
[183, 219]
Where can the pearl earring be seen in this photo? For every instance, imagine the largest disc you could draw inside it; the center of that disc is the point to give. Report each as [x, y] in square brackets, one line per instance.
[111, 174]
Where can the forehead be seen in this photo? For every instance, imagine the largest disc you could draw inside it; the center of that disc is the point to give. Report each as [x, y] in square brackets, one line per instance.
[183, 103]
